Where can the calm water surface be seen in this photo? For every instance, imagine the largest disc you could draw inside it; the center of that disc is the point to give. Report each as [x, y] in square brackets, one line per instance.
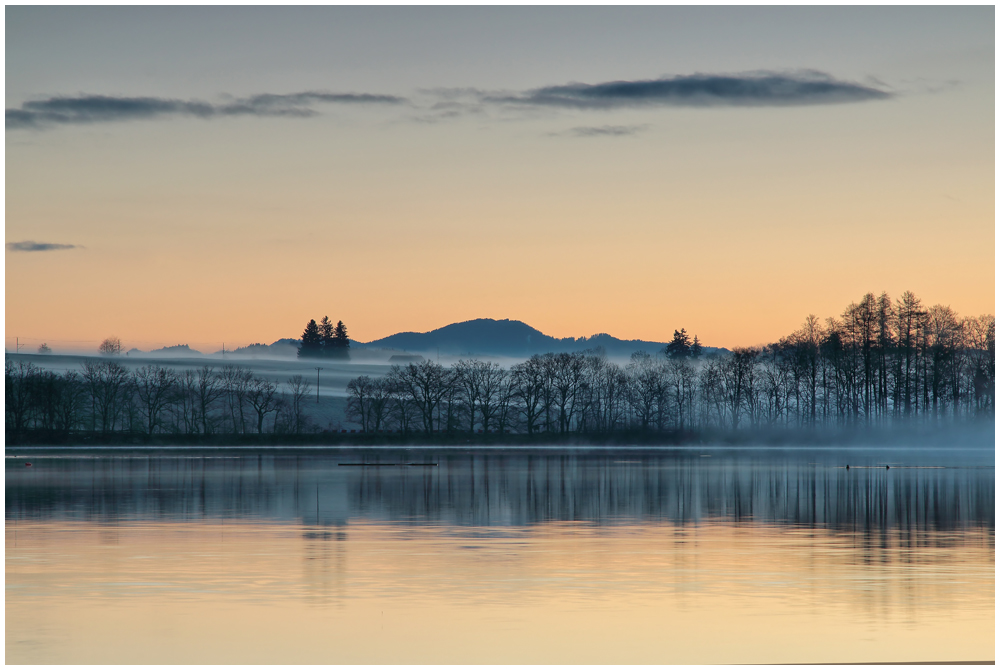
[516, 556]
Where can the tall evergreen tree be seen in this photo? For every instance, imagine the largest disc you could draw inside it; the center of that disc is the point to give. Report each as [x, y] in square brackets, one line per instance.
[312, 341]
[680, 346]
[341, 343]
[696, 348]
[327, 336]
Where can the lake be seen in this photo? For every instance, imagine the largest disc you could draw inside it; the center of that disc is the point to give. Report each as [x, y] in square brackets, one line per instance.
[505, 556]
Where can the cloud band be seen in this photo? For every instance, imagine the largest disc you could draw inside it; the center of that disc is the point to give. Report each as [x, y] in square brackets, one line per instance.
[65, 110]
[751, 89]
[39, 246]
[759, 89]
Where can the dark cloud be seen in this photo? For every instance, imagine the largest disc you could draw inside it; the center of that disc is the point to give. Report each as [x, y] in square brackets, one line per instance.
[61, 110]
[603, 131]
[39, 246]
[806, 87]
[757, 89]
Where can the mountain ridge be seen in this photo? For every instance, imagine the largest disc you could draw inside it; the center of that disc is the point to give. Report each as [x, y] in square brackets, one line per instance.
[506, 337]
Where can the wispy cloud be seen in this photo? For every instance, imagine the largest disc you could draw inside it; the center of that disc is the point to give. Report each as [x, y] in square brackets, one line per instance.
[751, 89]
[748, 89]
[39, 246]
[602, 131]
[63, 110]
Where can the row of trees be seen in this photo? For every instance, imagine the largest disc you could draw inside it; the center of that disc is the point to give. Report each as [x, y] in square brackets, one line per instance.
[881, 363]
[324, 340]
[108, 397]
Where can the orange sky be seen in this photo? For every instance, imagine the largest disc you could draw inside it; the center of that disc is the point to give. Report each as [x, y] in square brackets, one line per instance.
[734, 223]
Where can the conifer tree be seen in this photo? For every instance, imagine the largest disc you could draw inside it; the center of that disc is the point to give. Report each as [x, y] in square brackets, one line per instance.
[696, 348]
[680, 346]
[312, 341]
[327, 337]
[341, 342]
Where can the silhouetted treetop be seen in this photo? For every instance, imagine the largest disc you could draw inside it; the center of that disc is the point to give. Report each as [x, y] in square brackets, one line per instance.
[680, 346]
[311, 345]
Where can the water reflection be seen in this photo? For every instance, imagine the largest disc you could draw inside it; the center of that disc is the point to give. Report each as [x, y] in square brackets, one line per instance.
[516, 489]
[501, 557]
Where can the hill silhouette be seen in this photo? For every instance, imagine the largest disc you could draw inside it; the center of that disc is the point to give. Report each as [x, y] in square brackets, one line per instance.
[506, 337]
[175, 350]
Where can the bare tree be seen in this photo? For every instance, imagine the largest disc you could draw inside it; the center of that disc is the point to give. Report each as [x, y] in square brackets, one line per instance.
[567, 376]
[943, 331]
[111, 346]
[981, 333]
[187, 418]
[647, 388]
[607, 403]
[154, 387]
[493, 382]
[19, 380]
[380, 399]
[679, 378]
[737, 378]
[426, 383]
[369, 402]
[210, 388]
[236, 384]
[528, 387]
[298, 391]
[108, 384]
[777, 383]
[262, 394]
[401, 407]
[502, 413]
[359, 392]
[69, 402]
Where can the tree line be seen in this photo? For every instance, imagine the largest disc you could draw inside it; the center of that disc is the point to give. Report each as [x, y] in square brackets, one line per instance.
[880, 363]
[106, 397]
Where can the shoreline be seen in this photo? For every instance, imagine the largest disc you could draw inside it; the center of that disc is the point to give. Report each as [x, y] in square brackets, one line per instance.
[15, 454]
[975, 435]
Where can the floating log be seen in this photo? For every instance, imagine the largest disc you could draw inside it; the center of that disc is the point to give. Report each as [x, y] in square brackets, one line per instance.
[383, 465]
[369, 465]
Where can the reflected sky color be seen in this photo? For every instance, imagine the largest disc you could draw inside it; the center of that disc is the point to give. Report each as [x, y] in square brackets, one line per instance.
[490, 183]
[499, 560]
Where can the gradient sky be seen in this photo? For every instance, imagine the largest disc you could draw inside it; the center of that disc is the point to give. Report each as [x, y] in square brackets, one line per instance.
[225, 174]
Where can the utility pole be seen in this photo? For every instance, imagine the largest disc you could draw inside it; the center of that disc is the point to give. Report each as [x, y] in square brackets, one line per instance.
[317, 385]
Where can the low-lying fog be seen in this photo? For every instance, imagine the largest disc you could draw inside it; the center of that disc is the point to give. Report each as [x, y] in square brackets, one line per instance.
[333, 377]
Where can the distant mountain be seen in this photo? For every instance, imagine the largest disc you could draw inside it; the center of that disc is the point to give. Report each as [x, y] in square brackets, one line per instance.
[504, 337]
[286, 342]
[249, 350]
[176, 350]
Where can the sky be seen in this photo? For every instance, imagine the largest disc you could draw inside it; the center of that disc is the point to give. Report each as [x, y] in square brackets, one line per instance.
[207, 175]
